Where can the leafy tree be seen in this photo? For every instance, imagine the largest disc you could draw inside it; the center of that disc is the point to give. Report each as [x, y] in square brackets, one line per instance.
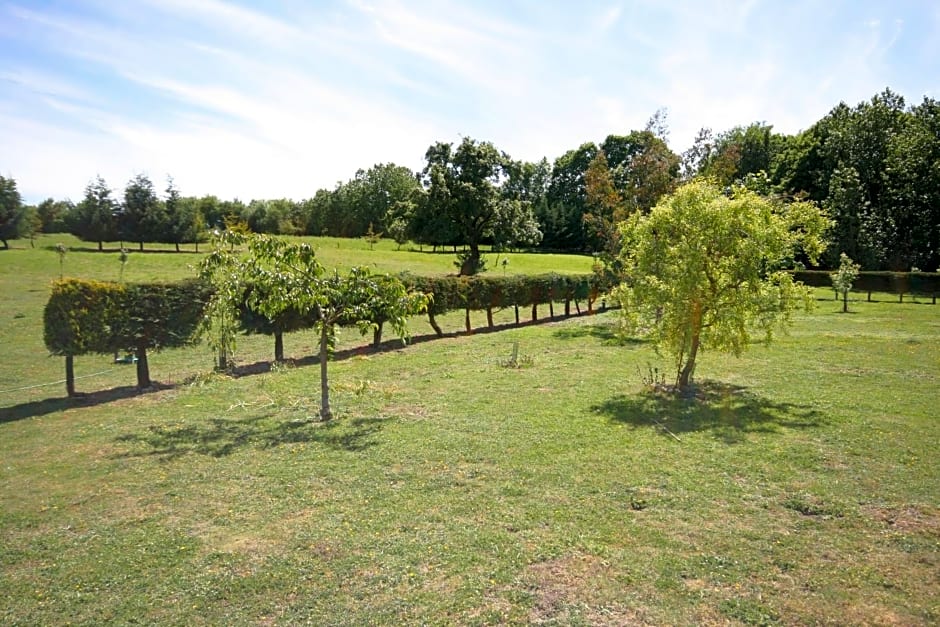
[562, 216]
[141, 217]
[53, 215]
[94, 217]
[704, 269]
[642, 166]
[463, 184]
[292, 278]
[181, 218]
[11, 207]
[605, 206]
[912, 188]
[515, 225]
[843, 278]
[29, 224]
[398, 230]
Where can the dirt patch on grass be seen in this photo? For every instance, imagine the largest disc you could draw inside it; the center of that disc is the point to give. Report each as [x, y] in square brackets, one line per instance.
[909, 518]
[578, 587]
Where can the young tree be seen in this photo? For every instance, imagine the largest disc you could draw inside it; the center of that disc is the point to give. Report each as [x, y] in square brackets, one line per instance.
[843, 278]
[11, 207]
[704, 269]
[292, 278]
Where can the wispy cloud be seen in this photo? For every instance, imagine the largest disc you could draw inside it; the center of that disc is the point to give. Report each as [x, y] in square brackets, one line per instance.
[256, 99]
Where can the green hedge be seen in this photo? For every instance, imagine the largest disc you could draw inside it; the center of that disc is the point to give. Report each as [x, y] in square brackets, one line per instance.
[85, 317]
[91, 317]
[900, 283]
[489, 292]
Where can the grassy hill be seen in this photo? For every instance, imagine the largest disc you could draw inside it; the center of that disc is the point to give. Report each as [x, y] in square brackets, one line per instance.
[800, 488]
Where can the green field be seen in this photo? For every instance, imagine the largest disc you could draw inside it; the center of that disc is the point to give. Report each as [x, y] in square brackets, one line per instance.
[802, 488]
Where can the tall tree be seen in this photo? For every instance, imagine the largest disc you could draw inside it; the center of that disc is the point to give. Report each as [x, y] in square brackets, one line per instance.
[912, 189]
[11, 207]
[562, 217]
[605, 206]
[53, 215]
[704, 269]
[93, 219]
[463, 184]
[142, 216]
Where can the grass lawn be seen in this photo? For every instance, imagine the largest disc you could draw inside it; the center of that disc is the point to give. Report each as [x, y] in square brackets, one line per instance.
[802, 489]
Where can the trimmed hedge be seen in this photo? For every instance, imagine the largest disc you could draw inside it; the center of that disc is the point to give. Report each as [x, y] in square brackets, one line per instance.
[487, 292]
[900, 283]
[83, 317]
[91, 317]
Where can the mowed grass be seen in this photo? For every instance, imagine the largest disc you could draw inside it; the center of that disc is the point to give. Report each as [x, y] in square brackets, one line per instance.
[801, 487]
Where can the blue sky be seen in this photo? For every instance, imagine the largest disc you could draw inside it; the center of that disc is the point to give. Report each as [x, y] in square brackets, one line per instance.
[279, 99]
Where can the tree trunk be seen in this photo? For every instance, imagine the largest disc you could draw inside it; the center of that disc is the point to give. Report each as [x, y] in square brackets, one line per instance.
[845, 301]
[567, 308]
[70, 375]
[377, 335]
[489, 317]
[685, 375]
[278, 346]
[434, 324]
[551, 309]
[100, 246]
[223, 360]
[516, 307]
[143, 368]
[535, 312]
[325, 412]
[141, 246]
[467, 320]
[177, 246]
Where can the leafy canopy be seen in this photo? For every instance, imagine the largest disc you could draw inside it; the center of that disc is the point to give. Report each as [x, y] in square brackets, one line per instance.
[705, 269]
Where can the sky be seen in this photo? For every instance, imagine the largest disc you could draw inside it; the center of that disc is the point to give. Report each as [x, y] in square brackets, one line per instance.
[245, 99]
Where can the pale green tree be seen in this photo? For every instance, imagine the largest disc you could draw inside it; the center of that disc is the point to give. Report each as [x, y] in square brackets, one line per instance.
[707, 270]
[843, 278]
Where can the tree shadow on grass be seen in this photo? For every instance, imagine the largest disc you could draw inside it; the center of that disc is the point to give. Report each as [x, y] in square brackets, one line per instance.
[220, 437]
[729, 412]
[62, 403]
[606, 333]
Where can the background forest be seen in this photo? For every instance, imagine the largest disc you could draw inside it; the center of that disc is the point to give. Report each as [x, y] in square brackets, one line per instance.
[875, 168]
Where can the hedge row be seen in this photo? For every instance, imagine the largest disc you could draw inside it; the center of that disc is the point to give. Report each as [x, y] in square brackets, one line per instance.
[486, 293]
[900, 283]
[84, 317]
[449, 293]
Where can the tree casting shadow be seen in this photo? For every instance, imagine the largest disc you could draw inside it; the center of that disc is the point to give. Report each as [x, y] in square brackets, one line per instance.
[220, 437]
[730, 412]
[90, 399]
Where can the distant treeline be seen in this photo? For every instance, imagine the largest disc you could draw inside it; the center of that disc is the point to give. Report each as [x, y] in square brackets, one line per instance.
[873, 167]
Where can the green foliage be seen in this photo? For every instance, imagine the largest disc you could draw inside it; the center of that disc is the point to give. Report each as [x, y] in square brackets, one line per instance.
[80, 315]
[11, 207]
[84, 317]
[142, 216]
[93, 219]
[284, 283]
[843, 278]
[704, 269]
